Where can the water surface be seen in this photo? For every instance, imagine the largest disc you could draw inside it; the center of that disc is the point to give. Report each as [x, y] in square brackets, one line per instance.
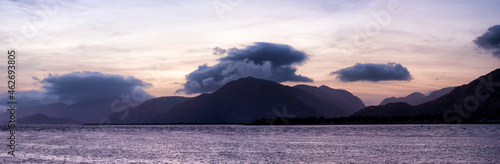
[256, 144]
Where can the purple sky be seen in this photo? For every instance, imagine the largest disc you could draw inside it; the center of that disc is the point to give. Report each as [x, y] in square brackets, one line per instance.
[160, 42]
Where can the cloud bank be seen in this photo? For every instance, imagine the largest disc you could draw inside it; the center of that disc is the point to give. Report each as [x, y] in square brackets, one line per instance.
[490, 41]
[262, 60]
[373, 72]
[80, 86]
[30, 98]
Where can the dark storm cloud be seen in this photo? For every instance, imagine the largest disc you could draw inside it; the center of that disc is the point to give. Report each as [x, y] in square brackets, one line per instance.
[373, 72]
[490, 41]
[277, 54]
[262, 60]
[79, 86]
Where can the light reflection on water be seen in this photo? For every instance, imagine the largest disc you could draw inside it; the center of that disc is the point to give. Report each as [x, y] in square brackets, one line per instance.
[256, 144]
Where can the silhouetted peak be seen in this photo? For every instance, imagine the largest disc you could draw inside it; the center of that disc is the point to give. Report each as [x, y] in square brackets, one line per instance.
[303, 85]
[345, 92]
[325, 87]
[38, 115]
[416, 94]
[43, 119]
[497, 71]
[398, 104]
[247, 82]
[249, 78]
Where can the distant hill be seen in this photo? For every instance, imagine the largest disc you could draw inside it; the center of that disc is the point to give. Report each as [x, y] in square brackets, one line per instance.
[417, 98]
[89, 111]
[342, 98]
[43, 119]
[248, 99]
[436, 94]
[477, 100]
[145, 111]
[412, 99]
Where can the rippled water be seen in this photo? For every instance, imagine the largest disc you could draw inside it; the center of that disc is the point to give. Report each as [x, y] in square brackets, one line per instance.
[256, 144]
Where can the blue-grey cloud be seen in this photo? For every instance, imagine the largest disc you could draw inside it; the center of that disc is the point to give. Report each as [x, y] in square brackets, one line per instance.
[268, 61]
[490, 41]
[80, 86]
[219, 51]
[278, 54]
[30, 98]
[373, 72]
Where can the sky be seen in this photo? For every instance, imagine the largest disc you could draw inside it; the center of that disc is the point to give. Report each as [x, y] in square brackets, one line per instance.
[374, 49]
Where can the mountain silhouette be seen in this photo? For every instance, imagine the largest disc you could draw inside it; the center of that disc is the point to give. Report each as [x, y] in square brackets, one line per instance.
[145, 111]
[417, 98]
[88, 111]
[43, 119]
[480, 99]
[411, 99]
[248, 99]
[436, 94]
[240, 101]
[342, 98]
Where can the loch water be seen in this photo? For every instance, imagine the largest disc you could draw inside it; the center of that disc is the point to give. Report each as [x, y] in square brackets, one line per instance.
[255, 144]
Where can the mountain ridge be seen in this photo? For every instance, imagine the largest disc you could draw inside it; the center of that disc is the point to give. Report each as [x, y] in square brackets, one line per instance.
[346, 100]
[417, 98]
[246, 100]
[43, 119]
[478, 99]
